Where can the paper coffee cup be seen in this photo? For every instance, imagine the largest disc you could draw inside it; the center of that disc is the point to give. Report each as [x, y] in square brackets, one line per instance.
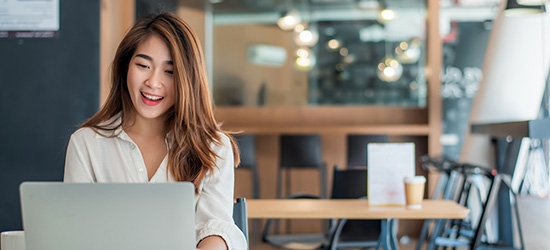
[12, 240]
[414, 191]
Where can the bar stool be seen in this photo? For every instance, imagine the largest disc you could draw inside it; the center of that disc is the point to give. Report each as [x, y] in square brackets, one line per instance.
[446, 188]
[297, 152]
[300, 152]
[472, 234]
[351, 183]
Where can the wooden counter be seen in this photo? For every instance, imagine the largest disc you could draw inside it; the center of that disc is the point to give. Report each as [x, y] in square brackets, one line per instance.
[350, 209]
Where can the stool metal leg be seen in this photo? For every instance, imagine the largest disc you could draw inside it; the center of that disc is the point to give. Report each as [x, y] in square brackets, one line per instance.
[387, 238]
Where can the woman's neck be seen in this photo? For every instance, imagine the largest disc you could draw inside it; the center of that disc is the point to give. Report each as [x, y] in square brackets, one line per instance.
[143, 127]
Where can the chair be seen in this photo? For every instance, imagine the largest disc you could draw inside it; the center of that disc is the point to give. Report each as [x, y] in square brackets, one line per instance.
[246, 143]
[445, 188]
[240, 216]
[348, 184]
[352, 183]
[343, 233]
[300, 152]
[357, 148]
[297, 152]
[486, 183]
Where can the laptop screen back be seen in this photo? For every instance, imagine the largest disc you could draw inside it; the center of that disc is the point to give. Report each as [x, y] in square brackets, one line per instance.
[86, 216]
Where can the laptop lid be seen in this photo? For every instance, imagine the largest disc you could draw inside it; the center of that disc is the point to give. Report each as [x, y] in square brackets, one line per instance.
[69, 216]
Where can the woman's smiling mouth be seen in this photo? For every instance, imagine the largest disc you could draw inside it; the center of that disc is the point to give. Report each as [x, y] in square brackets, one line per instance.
[151, 100]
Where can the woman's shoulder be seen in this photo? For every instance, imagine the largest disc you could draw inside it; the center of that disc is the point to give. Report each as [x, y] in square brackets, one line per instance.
[105, 129]
[90, 133]
[224, 139]
[221, 143]
[84, 132]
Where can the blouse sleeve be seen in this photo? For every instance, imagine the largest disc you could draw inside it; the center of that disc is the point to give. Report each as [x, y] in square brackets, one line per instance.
[77, 160]
[214, 215]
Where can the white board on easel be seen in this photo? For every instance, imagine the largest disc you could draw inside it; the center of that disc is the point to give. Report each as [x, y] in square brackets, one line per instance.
[387, 165]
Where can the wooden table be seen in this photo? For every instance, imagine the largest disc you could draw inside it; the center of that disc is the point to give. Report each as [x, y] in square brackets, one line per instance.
[353, 209]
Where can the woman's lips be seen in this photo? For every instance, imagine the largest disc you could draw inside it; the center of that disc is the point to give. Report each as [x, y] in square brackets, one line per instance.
[151, 100]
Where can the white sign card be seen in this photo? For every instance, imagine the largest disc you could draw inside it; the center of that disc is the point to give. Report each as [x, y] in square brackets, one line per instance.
[388, 164]
[29, 19]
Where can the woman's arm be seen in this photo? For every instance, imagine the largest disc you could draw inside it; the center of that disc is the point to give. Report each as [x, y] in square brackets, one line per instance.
[212, 242]
[214, 216]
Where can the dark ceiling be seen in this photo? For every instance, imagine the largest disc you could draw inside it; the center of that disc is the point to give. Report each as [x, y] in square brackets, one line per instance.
[263, 6]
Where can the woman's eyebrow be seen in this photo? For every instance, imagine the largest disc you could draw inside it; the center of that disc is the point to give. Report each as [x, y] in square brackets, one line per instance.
[148, 58]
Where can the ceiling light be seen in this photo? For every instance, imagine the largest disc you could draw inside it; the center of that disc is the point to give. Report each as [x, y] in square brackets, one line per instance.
[289, 20]
[334, 44]
[408, 52]
[300, 27]
[304, 59]
[389, 70]
[344, 51]
[306, 37]
[386, 15]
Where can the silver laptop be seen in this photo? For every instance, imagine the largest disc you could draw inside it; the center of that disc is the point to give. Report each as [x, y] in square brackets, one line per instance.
[93, 216]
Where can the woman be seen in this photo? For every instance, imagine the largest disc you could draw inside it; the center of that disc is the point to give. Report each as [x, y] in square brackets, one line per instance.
[157, 125]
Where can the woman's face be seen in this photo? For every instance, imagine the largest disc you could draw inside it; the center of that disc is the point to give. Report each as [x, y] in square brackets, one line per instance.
[150, 79]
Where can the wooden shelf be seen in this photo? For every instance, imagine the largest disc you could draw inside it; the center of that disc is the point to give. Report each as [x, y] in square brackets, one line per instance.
[533, 129]
[409, 129]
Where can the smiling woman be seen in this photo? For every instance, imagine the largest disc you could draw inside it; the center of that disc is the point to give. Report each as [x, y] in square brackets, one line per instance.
[157, 125]
[151, 80]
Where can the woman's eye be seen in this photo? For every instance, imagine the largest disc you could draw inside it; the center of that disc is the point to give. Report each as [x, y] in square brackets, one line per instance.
[142, 65]
[169, 72]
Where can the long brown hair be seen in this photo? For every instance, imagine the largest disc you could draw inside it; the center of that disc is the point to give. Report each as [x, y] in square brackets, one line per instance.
[190, 123]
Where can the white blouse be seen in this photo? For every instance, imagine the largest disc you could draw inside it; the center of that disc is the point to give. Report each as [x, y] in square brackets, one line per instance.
[92, 157]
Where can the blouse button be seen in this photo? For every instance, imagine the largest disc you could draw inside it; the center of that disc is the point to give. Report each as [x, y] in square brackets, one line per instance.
[132, 146]
[141, 170]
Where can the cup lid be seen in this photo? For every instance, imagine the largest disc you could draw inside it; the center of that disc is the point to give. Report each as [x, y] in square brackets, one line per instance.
[415, 179]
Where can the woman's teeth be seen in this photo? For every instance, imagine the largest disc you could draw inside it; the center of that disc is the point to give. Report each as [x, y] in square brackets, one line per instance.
[151, 97]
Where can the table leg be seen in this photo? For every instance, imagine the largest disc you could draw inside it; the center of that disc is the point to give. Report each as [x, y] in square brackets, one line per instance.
[392, 231]
[387, 239]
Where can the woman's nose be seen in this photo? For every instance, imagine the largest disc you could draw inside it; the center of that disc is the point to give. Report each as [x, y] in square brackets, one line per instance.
[155, 79]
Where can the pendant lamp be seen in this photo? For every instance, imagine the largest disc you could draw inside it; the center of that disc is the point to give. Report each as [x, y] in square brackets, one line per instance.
[289, 19]
[389, 69]
[304, 59]
[514, 9]
[307, 33]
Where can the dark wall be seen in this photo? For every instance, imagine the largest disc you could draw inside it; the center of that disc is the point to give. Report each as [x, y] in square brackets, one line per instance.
[466, 54]
[47, 87]
[146, 7]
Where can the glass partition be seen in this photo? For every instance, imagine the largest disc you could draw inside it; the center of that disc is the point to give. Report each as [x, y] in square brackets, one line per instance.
[465, 35]
[315, 52]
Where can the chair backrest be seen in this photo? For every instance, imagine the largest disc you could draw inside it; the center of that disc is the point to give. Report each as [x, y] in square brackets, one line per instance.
[300, 151]
[240, 215]
[247, 148]
[349, 184]
[357, 148]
